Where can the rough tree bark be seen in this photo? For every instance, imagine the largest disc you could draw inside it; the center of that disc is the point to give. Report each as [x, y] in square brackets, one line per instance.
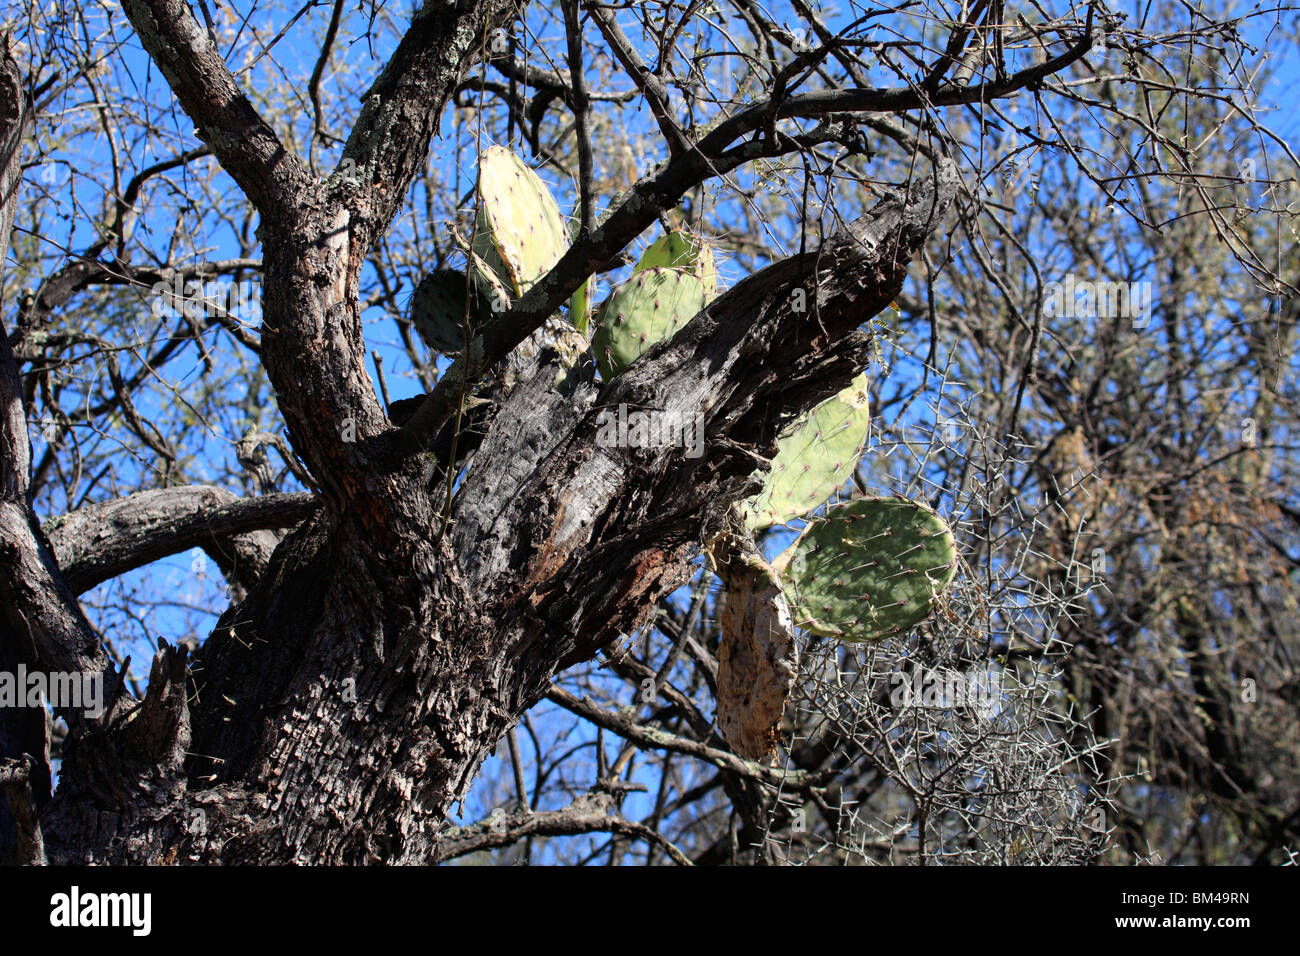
[24, 734]
[337, 713]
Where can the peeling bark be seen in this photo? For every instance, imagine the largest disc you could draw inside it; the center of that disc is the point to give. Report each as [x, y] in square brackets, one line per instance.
[757, 660]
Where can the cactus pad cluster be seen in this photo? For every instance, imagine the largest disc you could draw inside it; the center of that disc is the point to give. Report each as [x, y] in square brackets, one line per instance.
[519, 235]
[868, 569]
[864, 571]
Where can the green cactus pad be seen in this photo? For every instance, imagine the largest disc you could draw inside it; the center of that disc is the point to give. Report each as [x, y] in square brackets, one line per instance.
[646, 309]
[439, 310]
[813, 459]
[520, 233]
[580, 307]
[871, 568]
[681, 250]
[580, 302]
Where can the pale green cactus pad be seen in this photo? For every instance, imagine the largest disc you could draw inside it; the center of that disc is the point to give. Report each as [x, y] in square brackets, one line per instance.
[520, 233]
[813, 459]
[646, 309]
[681, 250]
[439, 310]
[871, 568]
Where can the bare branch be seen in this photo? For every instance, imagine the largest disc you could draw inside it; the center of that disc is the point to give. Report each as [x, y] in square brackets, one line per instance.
[589, 813]
[105, 540]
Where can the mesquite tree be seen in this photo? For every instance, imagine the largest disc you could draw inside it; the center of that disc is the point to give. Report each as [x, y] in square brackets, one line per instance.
[450, 554]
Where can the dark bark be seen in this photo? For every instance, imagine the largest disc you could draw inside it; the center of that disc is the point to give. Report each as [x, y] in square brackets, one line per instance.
[24, 732]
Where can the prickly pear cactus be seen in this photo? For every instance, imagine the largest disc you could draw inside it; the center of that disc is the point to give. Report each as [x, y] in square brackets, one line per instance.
[682, 250]
[439, 307]
[813, 459]
[871, 568]
[520, 233]
[648, 308]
